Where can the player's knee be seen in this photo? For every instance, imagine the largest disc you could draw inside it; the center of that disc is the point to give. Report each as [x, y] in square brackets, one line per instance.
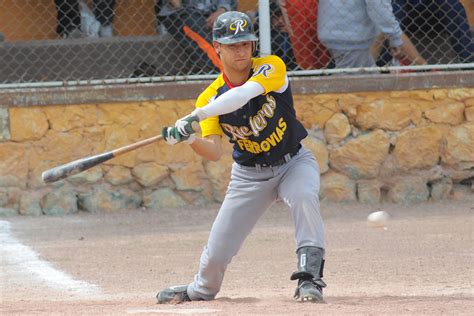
[304, 195]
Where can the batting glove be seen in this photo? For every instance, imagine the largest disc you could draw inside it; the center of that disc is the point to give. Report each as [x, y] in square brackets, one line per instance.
[172, 136]
[185, 125]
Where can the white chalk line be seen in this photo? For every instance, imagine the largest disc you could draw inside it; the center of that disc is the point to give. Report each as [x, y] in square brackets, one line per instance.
[24, 259]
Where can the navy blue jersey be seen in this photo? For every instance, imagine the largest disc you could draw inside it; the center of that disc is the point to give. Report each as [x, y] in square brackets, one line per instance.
[265, 128]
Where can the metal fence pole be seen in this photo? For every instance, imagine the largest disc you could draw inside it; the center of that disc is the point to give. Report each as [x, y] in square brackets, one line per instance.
[264, 27]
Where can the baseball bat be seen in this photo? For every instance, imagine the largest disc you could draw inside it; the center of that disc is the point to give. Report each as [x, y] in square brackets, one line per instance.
[77, 166]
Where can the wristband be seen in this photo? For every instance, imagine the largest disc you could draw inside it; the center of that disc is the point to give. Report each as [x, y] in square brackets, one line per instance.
[190, 139]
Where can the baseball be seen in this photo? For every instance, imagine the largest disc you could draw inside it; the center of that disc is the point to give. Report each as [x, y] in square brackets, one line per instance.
[378, 219]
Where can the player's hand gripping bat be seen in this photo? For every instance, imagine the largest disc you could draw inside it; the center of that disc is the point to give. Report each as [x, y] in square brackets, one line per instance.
[76, 166]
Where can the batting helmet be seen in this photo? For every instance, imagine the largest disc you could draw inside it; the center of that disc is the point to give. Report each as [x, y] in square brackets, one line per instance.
[233, 27]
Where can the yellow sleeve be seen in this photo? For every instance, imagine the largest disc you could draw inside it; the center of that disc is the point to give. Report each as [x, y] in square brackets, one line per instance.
[270, 72]
[210, 126]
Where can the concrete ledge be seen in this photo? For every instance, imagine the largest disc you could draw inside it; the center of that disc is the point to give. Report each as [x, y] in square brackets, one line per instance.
[191, 89]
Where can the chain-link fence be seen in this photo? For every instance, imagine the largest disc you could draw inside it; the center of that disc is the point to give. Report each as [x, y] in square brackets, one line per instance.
[364, 33]
[85, 40]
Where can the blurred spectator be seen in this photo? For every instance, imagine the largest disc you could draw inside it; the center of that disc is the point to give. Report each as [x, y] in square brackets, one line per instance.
[432, 17]
[190, 23]
[75, 20]
[301, 17]
[280, 35]
[281, 43]
[408, 56]
[349, 28]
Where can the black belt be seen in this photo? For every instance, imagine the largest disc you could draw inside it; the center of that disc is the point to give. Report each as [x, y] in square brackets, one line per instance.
[287, 157]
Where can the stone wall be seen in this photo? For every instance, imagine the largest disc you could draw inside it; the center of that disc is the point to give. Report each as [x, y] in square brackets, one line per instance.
[402, 147]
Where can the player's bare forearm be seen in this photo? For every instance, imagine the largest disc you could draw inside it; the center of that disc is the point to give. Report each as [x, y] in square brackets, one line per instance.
[377, 45]
[209, 147]
[410, 52]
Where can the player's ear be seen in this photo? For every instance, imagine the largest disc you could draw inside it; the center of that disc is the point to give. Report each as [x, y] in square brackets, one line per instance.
[217, 47]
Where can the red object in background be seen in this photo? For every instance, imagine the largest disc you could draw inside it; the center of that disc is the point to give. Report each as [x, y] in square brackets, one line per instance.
[308, 50]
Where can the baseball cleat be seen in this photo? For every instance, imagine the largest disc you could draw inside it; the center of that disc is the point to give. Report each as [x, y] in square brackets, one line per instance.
[309, 291]
[173, 295]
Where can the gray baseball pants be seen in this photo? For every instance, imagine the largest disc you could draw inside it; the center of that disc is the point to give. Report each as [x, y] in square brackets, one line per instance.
[250, 192]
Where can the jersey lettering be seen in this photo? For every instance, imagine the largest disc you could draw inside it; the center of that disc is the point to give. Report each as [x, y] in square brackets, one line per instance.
[259, 121]
[266, 145]
[237, 132]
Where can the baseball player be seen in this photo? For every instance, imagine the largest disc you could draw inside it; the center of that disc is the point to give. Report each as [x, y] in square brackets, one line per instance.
[252, 104]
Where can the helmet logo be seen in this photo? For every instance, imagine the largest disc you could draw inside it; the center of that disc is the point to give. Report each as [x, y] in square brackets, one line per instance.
[238, 26]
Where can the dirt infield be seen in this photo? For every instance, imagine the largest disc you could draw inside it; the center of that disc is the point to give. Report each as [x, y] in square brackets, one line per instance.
[114, 264]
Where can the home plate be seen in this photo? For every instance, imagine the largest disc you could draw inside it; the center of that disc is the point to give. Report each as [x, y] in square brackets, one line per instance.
[188, 311]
